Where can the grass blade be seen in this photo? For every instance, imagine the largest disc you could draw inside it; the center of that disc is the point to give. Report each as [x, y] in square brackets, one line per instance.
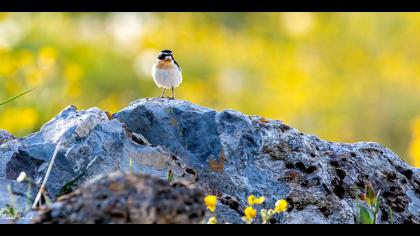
[391, 216]
[365, 216]
[15, 97]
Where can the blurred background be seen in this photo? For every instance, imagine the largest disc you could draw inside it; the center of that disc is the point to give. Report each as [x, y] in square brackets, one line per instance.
[343, 76]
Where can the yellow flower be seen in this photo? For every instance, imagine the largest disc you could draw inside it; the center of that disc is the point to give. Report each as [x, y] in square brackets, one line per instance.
[252, 200]
[73, 72]
[24, 118]
[250, 213]
[47, 57]
[35, 77]
[212, 221]
[281, 206]
[211, 202]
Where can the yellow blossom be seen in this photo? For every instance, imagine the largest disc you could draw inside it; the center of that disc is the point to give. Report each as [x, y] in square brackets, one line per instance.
[212, 221]
[73, 72]
[35, 77]
[111, 103]
[252, 200]
[26, 58]
[211, 202]
[47, 57]
[4, 16]
[250, 213]
[14, 119]
[281, 206]
[414, 149]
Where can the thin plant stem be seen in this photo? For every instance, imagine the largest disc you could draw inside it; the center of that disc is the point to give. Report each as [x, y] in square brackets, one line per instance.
[12, 198]
[42, 188]
[28, 196]
[15, 97]
[391, 216]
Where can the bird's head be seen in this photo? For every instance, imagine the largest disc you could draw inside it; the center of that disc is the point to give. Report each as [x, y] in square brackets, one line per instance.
[166, 55]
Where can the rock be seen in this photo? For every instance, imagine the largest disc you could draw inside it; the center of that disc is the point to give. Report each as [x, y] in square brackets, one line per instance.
[238, 155]
[226, 153]
[89, 144]
[120, 198]
[5, 136]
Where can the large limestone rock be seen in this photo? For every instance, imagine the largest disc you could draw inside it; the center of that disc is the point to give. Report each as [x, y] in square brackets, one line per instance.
[89, 144]
[237, 155]
[120, 198]
[226, 153]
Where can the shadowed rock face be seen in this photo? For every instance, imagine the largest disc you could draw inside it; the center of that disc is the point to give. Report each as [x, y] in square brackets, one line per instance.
[226, 153]
[126, 198]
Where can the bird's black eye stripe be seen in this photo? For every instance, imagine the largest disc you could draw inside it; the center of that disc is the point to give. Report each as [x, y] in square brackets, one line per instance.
[164, 53]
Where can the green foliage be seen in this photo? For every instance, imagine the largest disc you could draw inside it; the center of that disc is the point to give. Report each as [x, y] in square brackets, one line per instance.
[391, 216]
[11, 209]
[370, 195]
[48, 201]
[365, 216]
[131, 165]
[170, 176]
[368, 214]
[28, 196]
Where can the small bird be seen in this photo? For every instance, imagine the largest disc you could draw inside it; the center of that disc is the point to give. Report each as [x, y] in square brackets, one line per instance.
[166, 72]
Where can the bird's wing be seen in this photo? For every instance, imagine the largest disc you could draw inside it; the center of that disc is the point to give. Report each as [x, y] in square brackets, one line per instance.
[176, 63]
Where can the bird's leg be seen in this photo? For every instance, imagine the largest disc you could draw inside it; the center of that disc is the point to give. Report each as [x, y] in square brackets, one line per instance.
[163, 93]
[173, 92]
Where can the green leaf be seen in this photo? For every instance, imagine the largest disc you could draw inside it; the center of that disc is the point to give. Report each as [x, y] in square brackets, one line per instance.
[9, 211]
[365, 217]
[377, 206]
[15, 97]
[370, 195]
[131, 165]
[170, 176]
[376, 210]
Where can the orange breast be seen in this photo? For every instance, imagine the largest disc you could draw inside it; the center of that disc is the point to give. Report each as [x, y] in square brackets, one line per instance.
[164, 64]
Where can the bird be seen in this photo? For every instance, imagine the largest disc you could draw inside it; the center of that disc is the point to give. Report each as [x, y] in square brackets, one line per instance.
[167, 73]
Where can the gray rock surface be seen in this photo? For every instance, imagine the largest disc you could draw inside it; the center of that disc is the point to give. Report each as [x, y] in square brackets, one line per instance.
[226, 153]
[5, 136]
[120, 198]
[237, 155]
[89, 144]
